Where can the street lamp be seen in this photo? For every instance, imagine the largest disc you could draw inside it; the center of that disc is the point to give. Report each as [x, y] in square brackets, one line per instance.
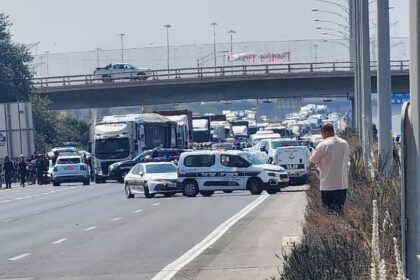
[345, 27]
[344, 34]
[231, 32]
[214, 24]
[122, 46]
[167, 26]
[341, 6]
[346, 19]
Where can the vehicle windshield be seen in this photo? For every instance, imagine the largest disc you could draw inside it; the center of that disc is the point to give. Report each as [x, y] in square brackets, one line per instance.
[160, 168]
[112, 148]
[252, 158]
[68, 161]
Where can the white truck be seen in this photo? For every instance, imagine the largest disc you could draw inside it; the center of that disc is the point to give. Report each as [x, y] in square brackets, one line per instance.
[121, 71]
[295, 159]
[122, 137]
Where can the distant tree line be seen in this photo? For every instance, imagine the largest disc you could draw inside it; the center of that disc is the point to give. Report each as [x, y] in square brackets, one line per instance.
[51, 128]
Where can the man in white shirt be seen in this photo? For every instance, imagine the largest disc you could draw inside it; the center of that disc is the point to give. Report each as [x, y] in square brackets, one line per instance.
[331, 156]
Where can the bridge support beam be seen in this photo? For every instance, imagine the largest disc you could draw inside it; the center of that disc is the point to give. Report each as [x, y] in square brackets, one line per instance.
[384, 86]
[410, 209]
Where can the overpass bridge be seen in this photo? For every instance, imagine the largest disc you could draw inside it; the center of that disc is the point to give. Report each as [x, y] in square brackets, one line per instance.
[235, 82]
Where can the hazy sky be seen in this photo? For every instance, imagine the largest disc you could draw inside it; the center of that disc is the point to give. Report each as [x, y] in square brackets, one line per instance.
[78, 25]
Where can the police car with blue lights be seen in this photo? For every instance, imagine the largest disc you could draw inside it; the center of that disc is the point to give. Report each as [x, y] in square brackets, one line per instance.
[205, 172]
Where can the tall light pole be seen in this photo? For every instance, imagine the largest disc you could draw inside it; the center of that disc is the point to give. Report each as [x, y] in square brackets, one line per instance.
[384, 84]
[47, 62]
[231, 32]
[214, 24]
[167, 26]
[122, 46]
[97, 56]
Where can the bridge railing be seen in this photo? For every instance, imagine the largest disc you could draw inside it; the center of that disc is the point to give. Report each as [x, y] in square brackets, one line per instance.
[208, 72]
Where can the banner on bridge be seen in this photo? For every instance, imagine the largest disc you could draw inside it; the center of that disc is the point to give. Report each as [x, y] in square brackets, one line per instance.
[269, 57]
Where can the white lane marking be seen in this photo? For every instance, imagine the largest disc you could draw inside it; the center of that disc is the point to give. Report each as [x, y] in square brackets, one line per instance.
[9, 220]
[90, 228]
[19, 198]
[290, 240]
[36, 213]
[138, 211]
[44, 193]
[171, 269]
[169, 198]
[6, 201]
[156, 204]
[19, 257]
[59, 190]
[37, 195]
[28, 196]
[59, 241]
[116, 219]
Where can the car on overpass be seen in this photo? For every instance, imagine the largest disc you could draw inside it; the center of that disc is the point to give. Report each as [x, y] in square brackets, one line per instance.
[121, 71]
[151, 178]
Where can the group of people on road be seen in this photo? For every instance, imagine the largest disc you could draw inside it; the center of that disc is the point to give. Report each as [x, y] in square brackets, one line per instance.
[32, 170]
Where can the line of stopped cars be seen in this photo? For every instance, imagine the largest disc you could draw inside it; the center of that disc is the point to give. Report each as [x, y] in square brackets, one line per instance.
[205, 172]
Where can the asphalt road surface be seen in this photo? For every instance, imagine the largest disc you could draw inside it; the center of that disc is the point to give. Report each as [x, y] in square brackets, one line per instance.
[94, 232]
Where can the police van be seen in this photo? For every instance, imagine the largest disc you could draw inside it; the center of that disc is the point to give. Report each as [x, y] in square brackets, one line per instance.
[295, 159]
[205, 172]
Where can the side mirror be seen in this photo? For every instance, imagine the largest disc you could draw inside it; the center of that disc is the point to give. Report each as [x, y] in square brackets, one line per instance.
[141, 174]
[262, 149]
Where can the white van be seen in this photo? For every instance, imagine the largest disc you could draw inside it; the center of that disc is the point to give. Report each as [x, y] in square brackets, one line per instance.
[205, 172]
[295, 160]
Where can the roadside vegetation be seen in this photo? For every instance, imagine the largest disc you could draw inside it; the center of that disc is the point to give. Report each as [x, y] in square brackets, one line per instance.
[363, 243]
[51, 128]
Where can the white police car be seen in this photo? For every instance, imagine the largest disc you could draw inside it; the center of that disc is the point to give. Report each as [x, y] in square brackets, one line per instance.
[205, 172]
[70, 169]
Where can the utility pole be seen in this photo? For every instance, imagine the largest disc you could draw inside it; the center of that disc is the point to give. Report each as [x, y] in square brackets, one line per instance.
[316, 52]
[410, 155]
[365, 80]
[97, 56]
[231, 32]
[122, 46]
[214, 24]
[384, 85]
[167, 26]
[47, 63]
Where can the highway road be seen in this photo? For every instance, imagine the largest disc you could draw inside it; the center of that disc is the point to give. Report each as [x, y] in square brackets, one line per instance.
[94, 232]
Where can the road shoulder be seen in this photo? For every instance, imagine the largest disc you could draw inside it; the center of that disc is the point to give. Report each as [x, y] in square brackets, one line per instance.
[248, 249]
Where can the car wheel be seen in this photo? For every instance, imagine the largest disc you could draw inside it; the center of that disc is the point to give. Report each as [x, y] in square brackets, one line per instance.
[56, 184]
[128, 193]
[147, 193]
[121, 180]
[141, 76]
[228, 191]
[168, 194]
[86, 182]
[206, 193]
[273, 191]
[190, 188]
[255, 186]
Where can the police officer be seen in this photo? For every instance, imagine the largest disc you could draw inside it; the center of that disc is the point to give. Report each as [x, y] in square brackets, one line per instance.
[9, 170]
[22, 167]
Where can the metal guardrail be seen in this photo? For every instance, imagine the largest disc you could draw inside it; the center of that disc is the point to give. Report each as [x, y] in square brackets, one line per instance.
[208, 72]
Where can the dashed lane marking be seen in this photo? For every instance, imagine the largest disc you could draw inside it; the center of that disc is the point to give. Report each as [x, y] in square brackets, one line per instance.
[156, 204]
[116, 219]
[19, 257]
[90, 228]
[138, 211]
[59, 241]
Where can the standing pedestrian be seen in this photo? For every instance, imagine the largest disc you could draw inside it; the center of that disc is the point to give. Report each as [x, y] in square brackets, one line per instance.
[22, 168]
[332, 156]
[40, 169]
[1, 177]
[9, 170]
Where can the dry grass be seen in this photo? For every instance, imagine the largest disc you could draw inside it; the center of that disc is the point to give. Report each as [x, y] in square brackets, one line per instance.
[339, 247]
